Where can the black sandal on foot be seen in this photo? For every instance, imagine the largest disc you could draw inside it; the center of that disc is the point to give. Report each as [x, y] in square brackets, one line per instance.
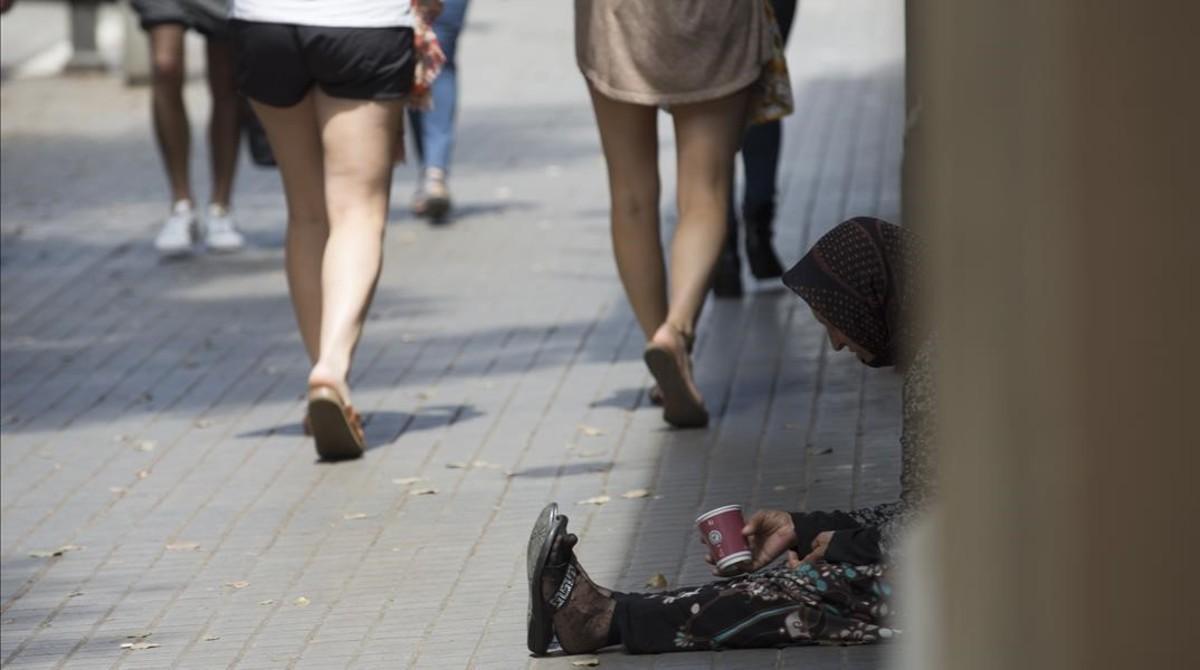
[550, 525]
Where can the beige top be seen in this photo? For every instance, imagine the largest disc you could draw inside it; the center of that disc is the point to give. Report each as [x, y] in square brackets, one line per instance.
[671, 52]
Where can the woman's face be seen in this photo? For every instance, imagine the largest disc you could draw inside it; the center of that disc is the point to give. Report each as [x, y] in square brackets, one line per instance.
[839, 341]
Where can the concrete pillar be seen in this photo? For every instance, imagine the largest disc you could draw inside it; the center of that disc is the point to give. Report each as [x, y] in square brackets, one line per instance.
[1053, 167]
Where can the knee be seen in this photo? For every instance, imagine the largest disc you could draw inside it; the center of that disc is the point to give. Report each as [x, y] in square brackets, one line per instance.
[168, 71]
[634, 206]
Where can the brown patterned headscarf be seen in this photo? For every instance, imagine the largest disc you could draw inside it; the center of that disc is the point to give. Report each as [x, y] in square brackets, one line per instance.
[856, 278]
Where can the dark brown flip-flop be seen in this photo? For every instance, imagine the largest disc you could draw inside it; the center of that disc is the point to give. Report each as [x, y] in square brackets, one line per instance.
[654, 393]
[336, 427]
[682, 405]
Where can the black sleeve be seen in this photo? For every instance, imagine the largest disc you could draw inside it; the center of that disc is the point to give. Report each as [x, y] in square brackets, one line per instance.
[809, 524]
[858, 546]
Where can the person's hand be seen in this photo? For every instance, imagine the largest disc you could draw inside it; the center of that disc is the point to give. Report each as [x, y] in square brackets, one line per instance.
[769, 533]
[820, 545]
[429, 10]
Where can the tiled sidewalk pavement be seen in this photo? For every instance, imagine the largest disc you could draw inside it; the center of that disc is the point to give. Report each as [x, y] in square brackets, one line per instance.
[150, 409]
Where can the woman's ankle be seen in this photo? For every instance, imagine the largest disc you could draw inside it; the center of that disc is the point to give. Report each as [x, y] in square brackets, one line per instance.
[323, 374]
[672, 331]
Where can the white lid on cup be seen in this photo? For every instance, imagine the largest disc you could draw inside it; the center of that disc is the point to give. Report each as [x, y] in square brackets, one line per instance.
[732, 559]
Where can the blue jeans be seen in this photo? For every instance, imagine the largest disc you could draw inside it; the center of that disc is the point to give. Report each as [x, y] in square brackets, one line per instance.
[760, 154]
[434, 130]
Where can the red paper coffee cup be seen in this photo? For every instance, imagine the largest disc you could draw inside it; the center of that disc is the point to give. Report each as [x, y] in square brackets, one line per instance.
[721, 530]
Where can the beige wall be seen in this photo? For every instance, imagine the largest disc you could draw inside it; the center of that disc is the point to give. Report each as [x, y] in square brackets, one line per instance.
[1052, 163]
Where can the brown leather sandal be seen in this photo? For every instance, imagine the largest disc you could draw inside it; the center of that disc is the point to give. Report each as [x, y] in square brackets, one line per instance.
[336, 427]
[654, 393]
[683, 407]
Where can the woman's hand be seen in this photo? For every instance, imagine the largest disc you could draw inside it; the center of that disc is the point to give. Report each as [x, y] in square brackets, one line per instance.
[429, 10]
[820, 545]
[769, 533]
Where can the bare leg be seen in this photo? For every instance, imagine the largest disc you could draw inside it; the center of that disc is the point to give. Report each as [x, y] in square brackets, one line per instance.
[296, 142]
[358, 138]
[171, 125]
[629, 136]
[224, 129]
[707, 136]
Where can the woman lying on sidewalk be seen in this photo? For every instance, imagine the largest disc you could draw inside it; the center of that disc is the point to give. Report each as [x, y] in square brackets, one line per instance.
[855, 281]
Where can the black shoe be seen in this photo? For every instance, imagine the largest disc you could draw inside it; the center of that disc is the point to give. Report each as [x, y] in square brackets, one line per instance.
[764, 264]
[727, 277]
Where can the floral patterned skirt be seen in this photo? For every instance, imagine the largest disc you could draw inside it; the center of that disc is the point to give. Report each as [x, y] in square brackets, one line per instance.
[830, 603]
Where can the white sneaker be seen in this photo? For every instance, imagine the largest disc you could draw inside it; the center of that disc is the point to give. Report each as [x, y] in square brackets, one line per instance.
[220, 233]
[179, 232]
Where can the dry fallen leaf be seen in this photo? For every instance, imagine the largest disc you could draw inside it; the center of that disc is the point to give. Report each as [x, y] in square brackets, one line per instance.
[211, 638]
[590, 431]
[658, 581]
[266, 602]
[301, 602]
[594, 500]
[138, 646]
[74, 594]
[586, 662]
[240, 584]
[423, 492]
[55, 552]
[183, 546]
[142, 474]
[426, 395]
[405, 481]
[636, 493]
[456, 465]
[354, 515]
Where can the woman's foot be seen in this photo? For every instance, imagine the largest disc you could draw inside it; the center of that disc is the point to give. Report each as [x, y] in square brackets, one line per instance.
[582, 611]
[432, 200]
[335, 426]
[654, 393]
[667, 357]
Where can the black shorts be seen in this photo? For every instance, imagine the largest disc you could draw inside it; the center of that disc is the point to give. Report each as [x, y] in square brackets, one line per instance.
[204, 16]
[278, 63]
